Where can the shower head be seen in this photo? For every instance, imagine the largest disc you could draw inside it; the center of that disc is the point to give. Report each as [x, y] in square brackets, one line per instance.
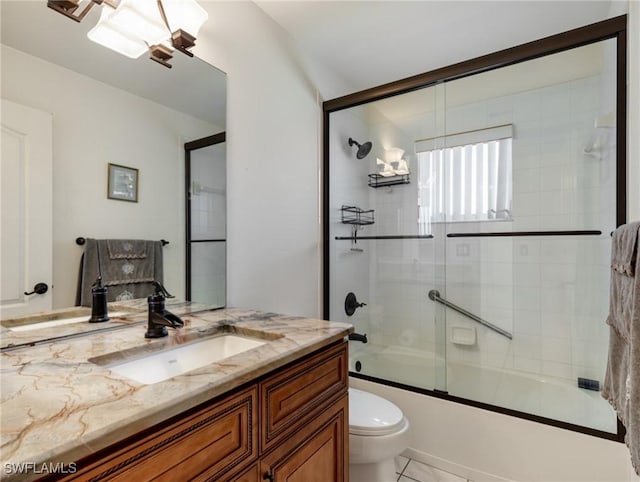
[363, 149]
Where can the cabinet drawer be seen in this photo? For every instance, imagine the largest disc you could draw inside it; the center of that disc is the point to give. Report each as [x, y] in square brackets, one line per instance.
[288, 398]
[203, 445]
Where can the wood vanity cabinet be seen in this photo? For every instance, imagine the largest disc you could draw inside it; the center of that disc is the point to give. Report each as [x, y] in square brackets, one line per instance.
[289, 425]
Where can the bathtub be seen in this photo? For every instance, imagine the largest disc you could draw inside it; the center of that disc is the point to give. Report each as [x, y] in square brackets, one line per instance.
[549, 397]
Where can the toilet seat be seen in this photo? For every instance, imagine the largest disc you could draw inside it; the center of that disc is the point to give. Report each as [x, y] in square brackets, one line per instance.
[370, 414]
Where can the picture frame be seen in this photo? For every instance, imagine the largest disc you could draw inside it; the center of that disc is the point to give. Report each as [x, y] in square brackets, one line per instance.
[122, 183]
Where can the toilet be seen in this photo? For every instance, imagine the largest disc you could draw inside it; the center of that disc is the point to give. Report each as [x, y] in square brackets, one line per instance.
[378, 431]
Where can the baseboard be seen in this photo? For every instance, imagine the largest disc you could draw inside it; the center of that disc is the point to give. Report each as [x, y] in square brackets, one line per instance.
[452, 467]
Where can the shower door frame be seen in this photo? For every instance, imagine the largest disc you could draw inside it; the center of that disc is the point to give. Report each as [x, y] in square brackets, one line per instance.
[614, 28]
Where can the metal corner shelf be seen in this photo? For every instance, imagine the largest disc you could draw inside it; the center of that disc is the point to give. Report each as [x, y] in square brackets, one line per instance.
[377, 180]
[356, 216]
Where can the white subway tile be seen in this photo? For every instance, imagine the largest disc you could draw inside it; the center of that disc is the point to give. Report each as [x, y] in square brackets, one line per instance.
[556, 350]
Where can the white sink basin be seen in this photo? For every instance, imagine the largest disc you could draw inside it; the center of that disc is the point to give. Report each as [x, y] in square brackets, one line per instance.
[170, 363]
[60, 322]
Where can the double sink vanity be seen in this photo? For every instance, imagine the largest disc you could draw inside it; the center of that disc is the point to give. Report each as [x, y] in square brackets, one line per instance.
[235, 394]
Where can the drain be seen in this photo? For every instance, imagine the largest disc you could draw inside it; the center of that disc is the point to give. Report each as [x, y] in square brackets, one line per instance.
[358, 366]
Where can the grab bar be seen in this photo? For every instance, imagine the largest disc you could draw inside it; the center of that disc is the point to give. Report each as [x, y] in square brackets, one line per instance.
[434, 295]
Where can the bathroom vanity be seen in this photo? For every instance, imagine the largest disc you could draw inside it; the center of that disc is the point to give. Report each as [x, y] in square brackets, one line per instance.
[263, 414]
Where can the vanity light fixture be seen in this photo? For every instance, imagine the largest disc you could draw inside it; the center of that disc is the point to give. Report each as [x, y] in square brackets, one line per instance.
[132, 27]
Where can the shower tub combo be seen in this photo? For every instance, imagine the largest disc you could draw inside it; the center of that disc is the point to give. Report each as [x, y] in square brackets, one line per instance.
[467, 230]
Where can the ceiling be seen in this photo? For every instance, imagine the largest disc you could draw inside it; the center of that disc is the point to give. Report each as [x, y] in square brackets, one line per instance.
[33, 28]
[369, 43]
[362, 43]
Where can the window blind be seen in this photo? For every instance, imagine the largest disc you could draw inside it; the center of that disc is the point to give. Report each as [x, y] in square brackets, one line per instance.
[470, 182]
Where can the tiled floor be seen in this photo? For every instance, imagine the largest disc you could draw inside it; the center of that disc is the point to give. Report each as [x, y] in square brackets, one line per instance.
[409, 470]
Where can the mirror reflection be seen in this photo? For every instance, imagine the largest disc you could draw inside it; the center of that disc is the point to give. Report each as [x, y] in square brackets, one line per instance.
[103, 109]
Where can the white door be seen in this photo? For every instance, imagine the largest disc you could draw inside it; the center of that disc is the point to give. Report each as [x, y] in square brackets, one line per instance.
[26, 182]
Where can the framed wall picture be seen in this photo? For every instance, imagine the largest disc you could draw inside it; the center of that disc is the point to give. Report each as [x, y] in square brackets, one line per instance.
[123, 183]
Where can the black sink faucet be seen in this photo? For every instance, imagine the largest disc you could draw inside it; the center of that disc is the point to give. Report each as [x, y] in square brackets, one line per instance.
[99, 310]
[159, 317]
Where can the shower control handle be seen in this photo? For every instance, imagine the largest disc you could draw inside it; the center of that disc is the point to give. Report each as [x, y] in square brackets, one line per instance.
[351, 304]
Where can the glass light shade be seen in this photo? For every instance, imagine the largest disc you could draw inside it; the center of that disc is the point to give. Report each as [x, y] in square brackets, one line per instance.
[131, 28]
[142, 19]
[393, 154]
[110, 35]
[185, 15]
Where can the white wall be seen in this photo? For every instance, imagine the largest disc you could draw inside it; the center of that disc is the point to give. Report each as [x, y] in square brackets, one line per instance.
[95, 124]
[273, 127]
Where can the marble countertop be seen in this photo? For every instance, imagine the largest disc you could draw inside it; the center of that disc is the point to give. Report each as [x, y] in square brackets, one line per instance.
[57, 406]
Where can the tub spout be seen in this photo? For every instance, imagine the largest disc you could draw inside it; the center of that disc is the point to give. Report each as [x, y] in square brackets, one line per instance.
[358, 337]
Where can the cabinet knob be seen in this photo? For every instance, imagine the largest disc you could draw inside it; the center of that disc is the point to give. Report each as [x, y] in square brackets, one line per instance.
[268, 476]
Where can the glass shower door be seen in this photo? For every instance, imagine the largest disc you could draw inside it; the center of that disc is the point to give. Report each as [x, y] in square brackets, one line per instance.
[531, 174]
[484, 278]
[380, 250]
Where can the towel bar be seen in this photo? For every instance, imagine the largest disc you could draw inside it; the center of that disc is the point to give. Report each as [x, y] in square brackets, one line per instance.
[80, 241]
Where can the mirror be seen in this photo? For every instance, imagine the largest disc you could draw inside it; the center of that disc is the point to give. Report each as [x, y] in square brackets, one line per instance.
[107, 108]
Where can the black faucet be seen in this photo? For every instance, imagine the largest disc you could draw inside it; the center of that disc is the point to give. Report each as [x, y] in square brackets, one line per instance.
[159, 317]
[99, 311]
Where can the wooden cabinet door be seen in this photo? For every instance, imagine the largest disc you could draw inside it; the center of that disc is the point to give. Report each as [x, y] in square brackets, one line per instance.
[317, 453]
[252, 474]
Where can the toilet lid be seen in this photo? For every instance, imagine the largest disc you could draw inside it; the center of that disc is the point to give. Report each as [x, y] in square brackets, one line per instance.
[370, 414]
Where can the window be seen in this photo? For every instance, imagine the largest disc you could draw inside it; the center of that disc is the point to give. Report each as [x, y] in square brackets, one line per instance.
[469, 178]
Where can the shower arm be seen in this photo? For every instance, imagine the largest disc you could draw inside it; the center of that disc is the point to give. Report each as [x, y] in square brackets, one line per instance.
[434, 295]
